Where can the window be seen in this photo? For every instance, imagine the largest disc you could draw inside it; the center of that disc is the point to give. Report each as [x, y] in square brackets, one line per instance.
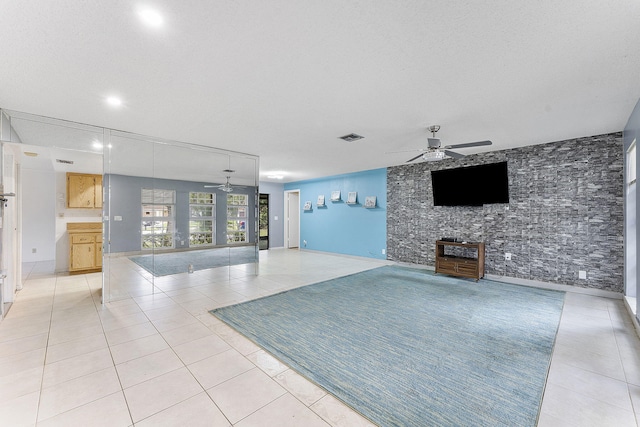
[202, 219]
[237, 208]
[631, 163]
[158, 218]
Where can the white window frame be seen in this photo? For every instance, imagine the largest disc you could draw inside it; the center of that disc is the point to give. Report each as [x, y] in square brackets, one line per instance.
[163, 202]
[238, 224]
[200, 199]
[631, 164]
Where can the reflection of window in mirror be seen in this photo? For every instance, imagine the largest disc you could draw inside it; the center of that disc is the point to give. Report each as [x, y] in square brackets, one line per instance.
[237, 208]
[631, 163]
[202, 219]
[158, 207]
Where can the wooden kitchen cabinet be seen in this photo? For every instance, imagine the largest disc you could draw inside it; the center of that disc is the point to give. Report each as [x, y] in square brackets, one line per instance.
[84, 191]
[85, 247]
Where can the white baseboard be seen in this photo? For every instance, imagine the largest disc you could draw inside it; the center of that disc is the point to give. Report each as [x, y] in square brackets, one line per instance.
[555, 286]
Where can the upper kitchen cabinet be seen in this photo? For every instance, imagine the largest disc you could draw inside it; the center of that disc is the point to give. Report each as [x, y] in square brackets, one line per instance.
[84, 191]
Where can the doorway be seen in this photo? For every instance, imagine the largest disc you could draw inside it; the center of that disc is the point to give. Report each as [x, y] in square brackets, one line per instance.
[263, 226]
[292, 219]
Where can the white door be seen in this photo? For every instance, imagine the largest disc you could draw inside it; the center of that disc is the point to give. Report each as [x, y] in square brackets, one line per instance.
[292, 228]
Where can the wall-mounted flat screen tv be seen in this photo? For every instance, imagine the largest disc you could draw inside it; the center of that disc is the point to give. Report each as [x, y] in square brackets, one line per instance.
[471, 186]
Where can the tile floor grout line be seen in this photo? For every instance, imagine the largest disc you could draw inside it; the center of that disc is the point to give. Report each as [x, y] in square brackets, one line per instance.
[44, 362]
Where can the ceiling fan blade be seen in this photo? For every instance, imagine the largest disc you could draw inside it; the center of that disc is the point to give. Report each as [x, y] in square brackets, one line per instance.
[470, 144]
[416, 157]
[453, 154]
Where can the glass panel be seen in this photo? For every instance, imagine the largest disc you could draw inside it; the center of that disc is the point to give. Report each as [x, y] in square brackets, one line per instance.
[150, 211]
[237, 212]
[202, 198]
[159, 197]
[200, 225]
[201, 211]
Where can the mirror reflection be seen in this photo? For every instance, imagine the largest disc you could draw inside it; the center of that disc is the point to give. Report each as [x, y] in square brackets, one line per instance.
[138, 215]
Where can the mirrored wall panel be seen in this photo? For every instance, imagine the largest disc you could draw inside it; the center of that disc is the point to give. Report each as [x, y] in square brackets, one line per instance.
[139, 216]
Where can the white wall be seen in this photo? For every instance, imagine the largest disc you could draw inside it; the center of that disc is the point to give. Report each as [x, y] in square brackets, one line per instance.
[38, 215]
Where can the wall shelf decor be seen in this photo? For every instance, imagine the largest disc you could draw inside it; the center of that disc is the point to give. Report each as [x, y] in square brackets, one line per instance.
[370, 202]
[335, 196]
[307, 205]
[320, 200]
[352, 198]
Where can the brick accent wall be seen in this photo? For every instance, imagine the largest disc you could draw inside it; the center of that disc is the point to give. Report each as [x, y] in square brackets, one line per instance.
[565, 213]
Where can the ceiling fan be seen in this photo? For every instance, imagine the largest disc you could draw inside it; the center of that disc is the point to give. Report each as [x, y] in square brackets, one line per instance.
[436, 151]
[226, 187]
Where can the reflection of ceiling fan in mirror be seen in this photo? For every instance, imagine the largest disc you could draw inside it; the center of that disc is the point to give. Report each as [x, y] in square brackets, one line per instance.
[226, 187]
[436, 151]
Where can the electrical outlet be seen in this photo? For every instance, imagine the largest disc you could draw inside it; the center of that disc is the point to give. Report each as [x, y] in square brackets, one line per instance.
[304, 242]
[507, 256]
[384, 252]
[582, 274]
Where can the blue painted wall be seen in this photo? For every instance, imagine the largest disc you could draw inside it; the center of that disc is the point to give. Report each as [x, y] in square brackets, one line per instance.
[339, 227]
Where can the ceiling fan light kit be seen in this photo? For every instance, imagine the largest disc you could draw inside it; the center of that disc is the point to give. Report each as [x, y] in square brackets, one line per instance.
[436, 151]
[433, 156]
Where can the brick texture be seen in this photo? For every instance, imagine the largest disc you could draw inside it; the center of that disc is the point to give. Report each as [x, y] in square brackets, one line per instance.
[565, 213]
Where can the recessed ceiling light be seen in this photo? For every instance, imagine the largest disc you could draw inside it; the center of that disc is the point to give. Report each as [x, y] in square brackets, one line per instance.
[151, 17]
[114, 101]
[275, 174]
[98, 145]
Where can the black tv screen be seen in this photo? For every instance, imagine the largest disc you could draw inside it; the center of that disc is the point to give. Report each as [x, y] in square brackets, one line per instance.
[471, 186]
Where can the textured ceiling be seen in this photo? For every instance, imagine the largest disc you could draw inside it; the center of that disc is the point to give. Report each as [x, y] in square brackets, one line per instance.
[284, 79]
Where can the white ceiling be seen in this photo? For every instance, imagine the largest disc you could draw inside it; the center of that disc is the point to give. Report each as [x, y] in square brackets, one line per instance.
[284, 79]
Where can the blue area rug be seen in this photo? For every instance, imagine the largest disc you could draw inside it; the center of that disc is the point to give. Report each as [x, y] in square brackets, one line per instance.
[178, 262]
[405, 347]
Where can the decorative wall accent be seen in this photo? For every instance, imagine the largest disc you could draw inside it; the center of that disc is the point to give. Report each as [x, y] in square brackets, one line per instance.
[341, 228]
[370, 202]
[565, 213]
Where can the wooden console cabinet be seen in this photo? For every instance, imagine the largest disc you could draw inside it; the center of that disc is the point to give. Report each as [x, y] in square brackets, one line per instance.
[85, 247]
[457, 265]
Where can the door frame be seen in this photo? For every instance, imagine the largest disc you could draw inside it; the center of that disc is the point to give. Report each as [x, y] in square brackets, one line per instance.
[289, 211]
[262, 196]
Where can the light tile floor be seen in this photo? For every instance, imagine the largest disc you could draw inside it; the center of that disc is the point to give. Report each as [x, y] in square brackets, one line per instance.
[161, 359]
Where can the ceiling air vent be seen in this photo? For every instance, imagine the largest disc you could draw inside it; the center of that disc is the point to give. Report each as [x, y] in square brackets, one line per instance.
[351, 137]
[66, 162]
